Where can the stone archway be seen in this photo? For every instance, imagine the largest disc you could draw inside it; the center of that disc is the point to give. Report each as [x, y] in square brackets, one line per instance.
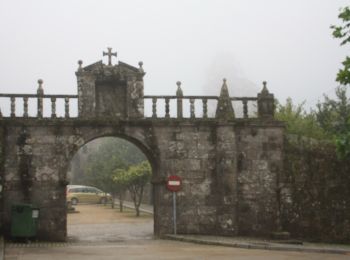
[146, 151]
[221, 194]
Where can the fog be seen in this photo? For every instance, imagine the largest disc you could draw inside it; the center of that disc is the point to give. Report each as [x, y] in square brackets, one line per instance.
[287, 43]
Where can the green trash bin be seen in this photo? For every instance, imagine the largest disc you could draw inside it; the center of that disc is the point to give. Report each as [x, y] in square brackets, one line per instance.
[24, 221]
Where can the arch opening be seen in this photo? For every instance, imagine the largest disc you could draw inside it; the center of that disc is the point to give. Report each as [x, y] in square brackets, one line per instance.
[110, 195]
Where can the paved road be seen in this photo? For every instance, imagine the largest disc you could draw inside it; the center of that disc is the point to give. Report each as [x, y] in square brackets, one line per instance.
[99, 233]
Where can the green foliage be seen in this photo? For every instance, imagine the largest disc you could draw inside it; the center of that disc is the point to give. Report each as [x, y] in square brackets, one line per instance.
[135, 175]
[343, 145]
[333, 116]
[343, 32]
[104, 156]
[330, 120]
[134, 179]
[298, 121]
[343, 77]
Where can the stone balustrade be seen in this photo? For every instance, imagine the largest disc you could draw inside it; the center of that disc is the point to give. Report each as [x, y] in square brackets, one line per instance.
[197, 105]
[40, 100]
[172, 107]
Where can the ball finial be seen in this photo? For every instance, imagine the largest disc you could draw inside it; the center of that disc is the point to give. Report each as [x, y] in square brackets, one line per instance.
[40, 81]
[178, 83]
[80, 62]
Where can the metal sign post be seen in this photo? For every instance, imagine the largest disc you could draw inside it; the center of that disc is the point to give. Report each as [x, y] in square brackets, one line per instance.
[174, 211]
[174, 185]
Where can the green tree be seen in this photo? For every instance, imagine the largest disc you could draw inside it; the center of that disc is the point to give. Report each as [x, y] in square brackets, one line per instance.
[134, 179]
[343, 32]
[333, 116]
[298, 121]
[343, 77]
[104, 156]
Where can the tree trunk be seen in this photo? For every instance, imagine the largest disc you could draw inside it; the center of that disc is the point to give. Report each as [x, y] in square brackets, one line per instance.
[113, 199]
[133, 193]
[121, 200]
[138, 201]
[137, 211]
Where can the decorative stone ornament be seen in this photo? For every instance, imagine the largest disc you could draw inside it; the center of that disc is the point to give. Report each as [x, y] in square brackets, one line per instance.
[109, 54]
[266, 103]
[80, 63]
[224, 110]
[179, 94]
[110, 91]
[40, 90]
[40, 93]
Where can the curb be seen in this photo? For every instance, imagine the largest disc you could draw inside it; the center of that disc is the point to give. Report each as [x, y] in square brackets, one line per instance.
[263, 246]
[130, 206]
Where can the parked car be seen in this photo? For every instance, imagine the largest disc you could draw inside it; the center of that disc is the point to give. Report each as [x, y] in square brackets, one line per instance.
[86, 194]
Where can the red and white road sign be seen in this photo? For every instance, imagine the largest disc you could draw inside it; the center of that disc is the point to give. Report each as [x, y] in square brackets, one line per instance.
[174, 183]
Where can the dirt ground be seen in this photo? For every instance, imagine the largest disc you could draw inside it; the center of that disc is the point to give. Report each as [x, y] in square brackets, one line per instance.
[102, 223]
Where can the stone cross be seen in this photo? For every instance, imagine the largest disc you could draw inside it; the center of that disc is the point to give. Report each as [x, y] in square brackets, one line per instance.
[109, 54]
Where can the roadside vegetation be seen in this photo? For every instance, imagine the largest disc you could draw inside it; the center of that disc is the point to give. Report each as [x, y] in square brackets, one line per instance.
[330, 120]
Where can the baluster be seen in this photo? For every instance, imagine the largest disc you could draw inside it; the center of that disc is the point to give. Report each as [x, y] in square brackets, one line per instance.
[205, 107]
[25, 107]
[0, 114]
[40, 93]
[13, 107]
[66, 107]
[192, 108]
[167, 109]
[179, 95]
[245, 108]
[154, 107]
[53, 107]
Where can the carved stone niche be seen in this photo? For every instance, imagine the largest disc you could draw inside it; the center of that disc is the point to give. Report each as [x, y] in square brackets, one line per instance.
[106, 91]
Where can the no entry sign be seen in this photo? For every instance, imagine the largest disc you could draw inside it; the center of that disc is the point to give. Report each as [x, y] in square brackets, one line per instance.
[173, 183]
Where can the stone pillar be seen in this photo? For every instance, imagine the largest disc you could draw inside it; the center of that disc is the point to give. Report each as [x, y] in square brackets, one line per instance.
[179, 95]
[2, 170]
[226, 180]
[266, 103]
[40, 93]
[260, 160]
[86, 92]
[134, 96]
[224, 110]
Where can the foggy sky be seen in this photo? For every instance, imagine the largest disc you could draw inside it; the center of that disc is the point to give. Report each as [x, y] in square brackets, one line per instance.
[287, 43]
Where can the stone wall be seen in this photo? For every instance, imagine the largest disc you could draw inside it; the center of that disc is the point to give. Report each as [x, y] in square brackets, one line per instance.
[228, 170]
[260, 161]
[315, 191]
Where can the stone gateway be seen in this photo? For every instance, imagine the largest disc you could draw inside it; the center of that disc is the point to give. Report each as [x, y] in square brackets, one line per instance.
[229, 165]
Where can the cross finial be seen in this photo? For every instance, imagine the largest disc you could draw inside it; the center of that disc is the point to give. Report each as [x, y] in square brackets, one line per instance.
[109, 54]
